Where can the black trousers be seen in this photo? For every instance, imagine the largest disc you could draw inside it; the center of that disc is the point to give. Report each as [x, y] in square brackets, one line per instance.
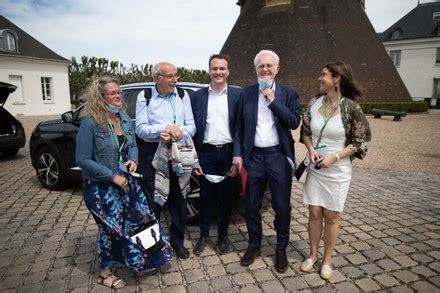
[268, 165]
[215, 161]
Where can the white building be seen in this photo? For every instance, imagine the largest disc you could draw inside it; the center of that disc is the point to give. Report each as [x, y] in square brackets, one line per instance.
[41, 75]
[413, 44]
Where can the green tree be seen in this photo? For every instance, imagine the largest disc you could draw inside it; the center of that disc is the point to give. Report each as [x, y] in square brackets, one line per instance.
[81, 74]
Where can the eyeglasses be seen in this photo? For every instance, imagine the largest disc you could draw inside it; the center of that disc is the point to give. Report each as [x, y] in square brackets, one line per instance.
[113, 94]
[170, 76]
[262, 66]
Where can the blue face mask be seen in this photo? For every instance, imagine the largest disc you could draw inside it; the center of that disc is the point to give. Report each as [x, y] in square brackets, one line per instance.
[265, 84]
[112, 109]
[214, 178]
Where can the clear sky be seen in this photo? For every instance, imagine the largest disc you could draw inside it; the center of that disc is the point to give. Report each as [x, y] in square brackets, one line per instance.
[147, 31]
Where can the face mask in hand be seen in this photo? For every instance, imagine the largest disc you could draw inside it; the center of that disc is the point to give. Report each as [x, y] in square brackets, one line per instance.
[264, 83]
[214, 178]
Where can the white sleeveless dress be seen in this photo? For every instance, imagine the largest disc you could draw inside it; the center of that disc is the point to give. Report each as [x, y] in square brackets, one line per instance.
[328, 187]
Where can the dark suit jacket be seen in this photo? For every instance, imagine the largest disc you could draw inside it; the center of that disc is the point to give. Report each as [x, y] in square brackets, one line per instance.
[199, 103]
[286, 110]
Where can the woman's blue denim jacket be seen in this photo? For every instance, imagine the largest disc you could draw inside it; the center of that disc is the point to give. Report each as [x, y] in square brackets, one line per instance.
[97, 153]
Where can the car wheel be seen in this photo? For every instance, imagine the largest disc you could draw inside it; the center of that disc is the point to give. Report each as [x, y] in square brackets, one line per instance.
[49, 170]
[10, 153]
[192, 211]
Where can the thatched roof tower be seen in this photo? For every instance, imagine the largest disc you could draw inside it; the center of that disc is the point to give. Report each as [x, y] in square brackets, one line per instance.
[307, 34]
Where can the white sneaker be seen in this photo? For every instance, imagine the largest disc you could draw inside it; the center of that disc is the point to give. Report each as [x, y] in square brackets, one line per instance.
[326, 272]
[307, 265]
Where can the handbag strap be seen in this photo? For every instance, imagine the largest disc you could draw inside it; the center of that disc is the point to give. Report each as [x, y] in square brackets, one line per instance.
[326, 122]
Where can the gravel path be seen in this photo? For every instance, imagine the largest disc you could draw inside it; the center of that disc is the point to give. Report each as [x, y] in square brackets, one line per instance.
[411, 145]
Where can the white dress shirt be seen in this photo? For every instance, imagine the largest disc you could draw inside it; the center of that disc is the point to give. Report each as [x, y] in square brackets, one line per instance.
[217, 119]
[266, 134]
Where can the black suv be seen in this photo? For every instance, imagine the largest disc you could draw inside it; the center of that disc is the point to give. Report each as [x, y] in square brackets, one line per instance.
[52, 144]
[12, 136]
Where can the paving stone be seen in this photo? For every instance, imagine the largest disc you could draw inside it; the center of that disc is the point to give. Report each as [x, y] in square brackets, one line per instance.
[371, 269]
[263, 275]
[192, 263]
[423, 271]
[216, 271]
[388, 265]
[211, 260]
[346, 287]
[257, 264]
[250, 289]
[54, 286]
[386, 280]
[373, 254]
[272, 286]
[424, 286]
[435, 281]
[236, 267]
[435, 266]
[352, 272]
[220, 283]
[199, 287]
[367, 284]
[242, 279]
[12, 282]
[295, 283]
[405, 261]
[390, 251]
[175, 289]
[172, 278]
[314, 280]
[406, 276]
[421, 258]
[230, 258]
[193, 275]
[149, 283]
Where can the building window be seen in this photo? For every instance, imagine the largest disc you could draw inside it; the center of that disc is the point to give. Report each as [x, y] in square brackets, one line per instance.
[395, 57]
[277, 2]
[46, 88]
[437, 57]
[397, 34]
[436, 93]
[436, 16]
[10, 42]
[17, 97]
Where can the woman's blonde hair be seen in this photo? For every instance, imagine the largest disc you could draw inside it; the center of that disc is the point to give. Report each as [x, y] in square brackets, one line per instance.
[95, 104]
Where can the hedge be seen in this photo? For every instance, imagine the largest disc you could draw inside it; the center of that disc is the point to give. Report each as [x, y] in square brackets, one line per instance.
[408, 107]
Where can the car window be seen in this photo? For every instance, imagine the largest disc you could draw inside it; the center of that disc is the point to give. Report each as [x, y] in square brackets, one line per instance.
[130, 97]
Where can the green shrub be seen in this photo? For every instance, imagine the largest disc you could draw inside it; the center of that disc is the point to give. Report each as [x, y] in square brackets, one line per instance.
[408, 107]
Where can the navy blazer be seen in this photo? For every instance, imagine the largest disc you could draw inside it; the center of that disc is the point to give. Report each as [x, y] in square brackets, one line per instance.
[199, 104]
[286, 110]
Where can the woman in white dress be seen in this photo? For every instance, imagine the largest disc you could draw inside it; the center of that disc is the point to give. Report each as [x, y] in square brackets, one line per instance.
[335, 131]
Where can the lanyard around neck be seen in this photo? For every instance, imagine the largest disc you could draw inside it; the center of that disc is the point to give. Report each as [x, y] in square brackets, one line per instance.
[172, 100]
[116, 139]
[326, 120]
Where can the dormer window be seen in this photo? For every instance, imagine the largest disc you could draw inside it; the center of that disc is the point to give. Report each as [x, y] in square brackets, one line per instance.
[397, 34]
[8, 41]
[436, 16]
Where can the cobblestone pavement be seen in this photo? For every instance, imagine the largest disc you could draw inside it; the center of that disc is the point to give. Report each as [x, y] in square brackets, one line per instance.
[389, 241]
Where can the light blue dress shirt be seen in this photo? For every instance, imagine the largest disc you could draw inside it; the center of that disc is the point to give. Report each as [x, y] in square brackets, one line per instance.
[161, 111]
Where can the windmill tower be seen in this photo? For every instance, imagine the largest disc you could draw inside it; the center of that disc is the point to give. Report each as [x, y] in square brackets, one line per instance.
[307, 34]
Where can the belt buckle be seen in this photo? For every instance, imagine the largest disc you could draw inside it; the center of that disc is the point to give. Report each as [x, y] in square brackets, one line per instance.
[219, 146]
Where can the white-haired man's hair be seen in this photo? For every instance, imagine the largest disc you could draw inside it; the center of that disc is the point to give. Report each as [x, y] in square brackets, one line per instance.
[155, 71]
[274, 55]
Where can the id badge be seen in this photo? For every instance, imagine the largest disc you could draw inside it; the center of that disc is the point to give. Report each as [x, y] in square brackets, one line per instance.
[322, 150]
[123, 167]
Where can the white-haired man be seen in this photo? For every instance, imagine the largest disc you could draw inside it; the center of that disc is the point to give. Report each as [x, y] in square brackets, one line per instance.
[264, 144]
